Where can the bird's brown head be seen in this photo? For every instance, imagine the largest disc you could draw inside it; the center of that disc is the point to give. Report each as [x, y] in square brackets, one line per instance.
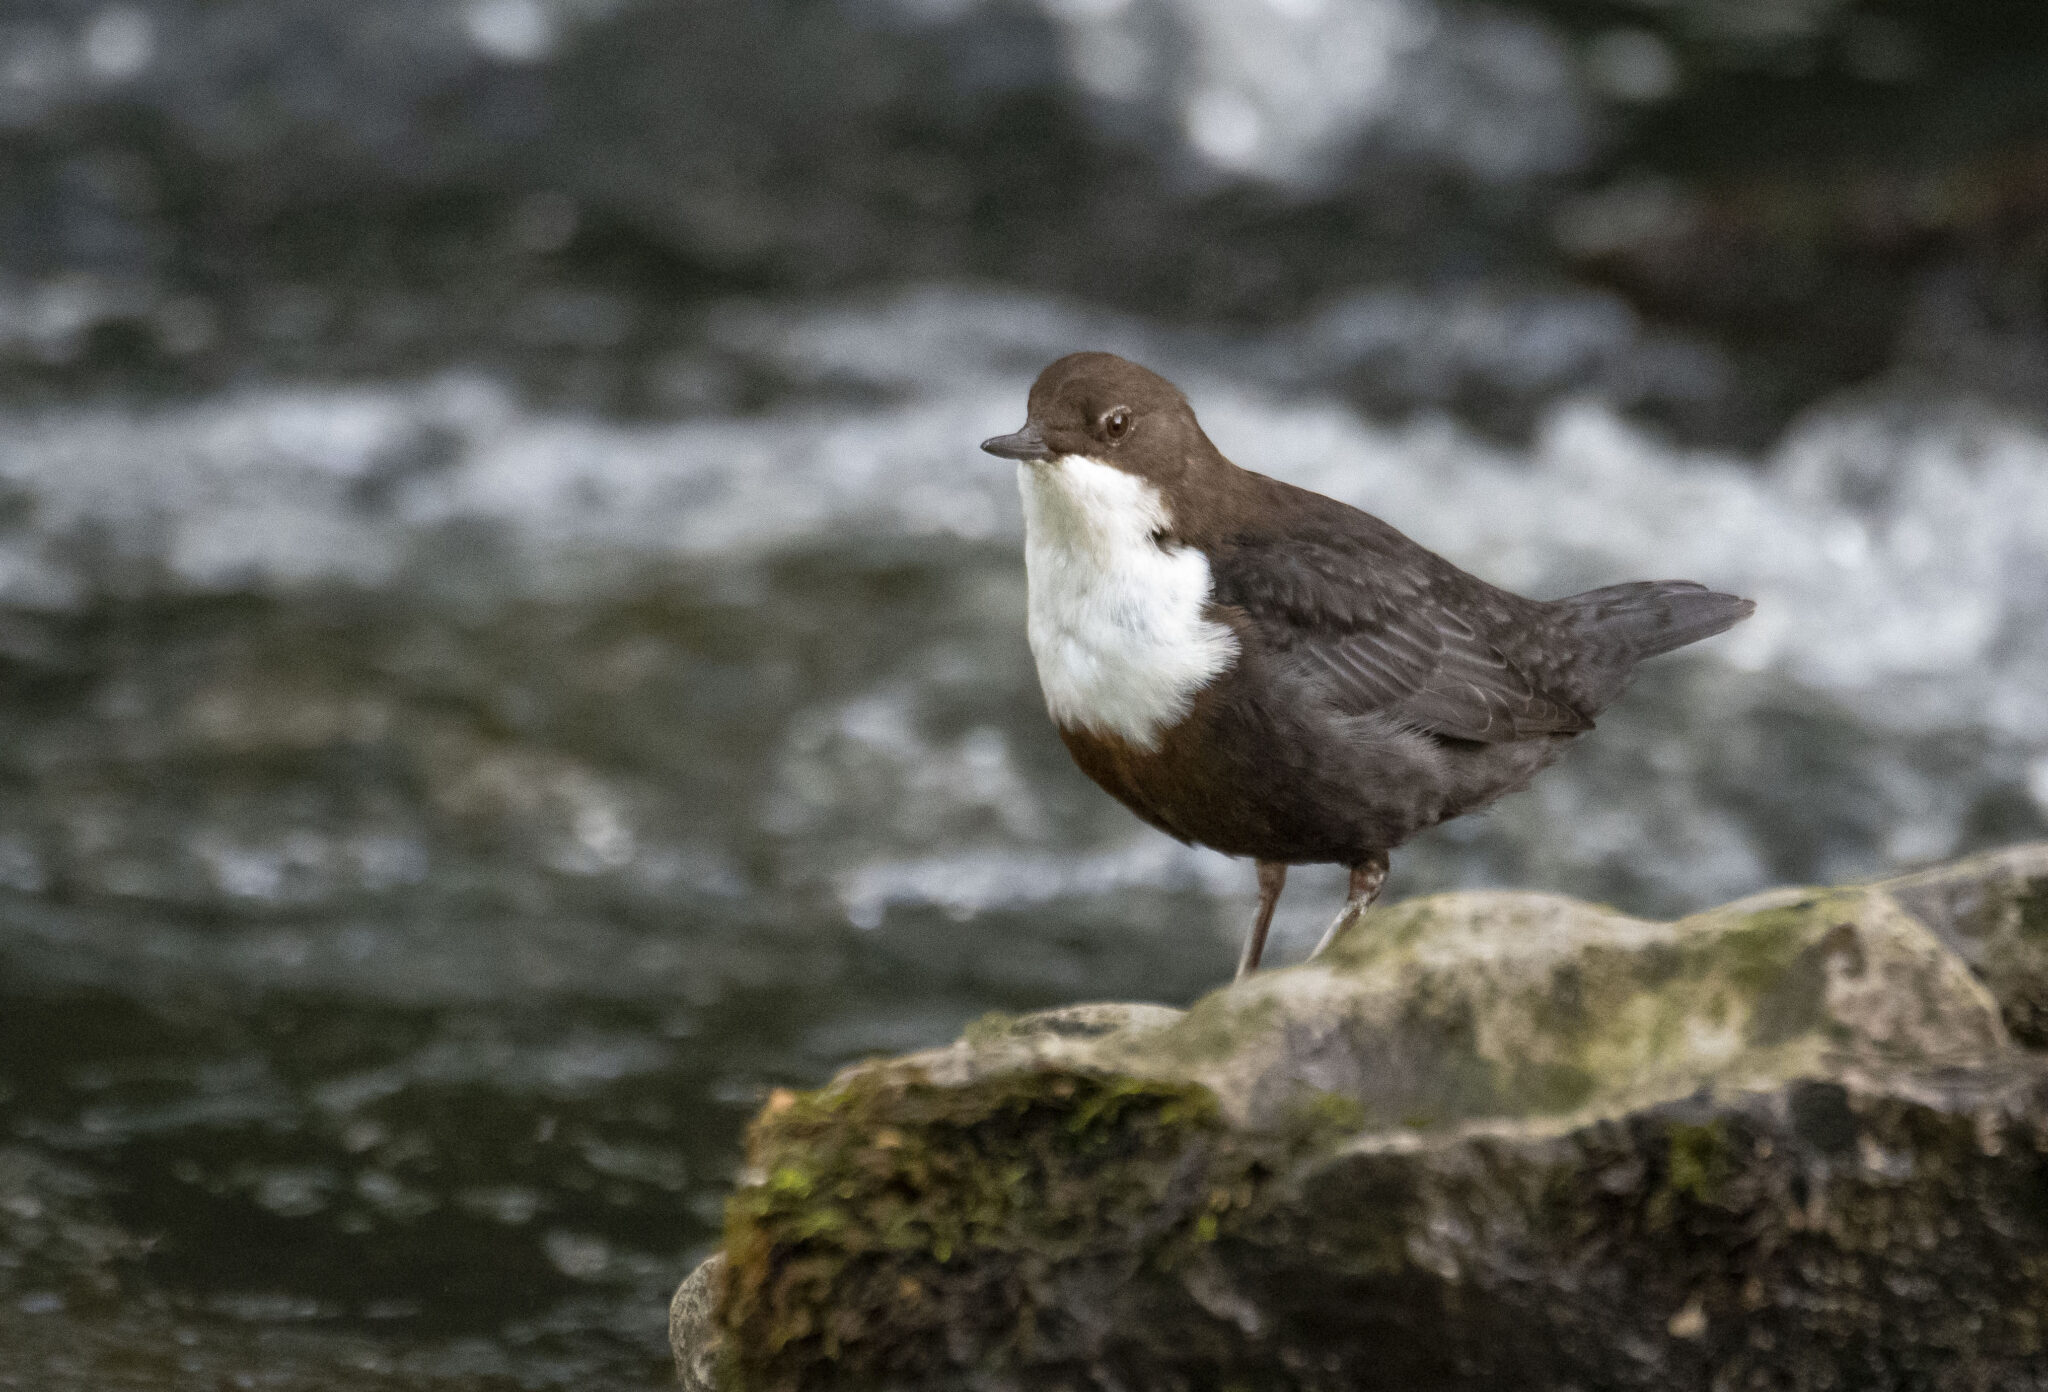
[1102, 407]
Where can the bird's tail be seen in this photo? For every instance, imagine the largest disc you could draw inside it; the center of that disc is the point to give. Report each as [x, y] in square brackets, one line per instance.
[1647, 617]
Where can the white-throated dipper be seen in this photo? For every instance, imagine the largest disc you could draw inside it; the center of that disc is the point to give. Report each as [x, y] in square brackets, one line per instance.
[1258, 668]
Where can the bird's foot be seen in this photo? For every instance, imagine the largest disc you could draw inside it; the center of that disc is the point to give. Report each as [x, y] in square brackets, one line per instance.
[1366, 879]
[1339, 926]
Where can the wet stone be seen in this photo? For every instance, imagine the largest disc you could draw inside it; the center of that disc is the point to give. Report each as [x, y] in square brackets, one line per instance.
[1490, 1140]
[691, 1330]
[1992, 911]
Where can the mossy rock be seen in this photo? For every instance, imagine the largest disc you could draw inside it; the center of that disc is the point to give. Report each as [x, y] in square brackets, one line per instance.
[1488, 1140]
[1992, 910]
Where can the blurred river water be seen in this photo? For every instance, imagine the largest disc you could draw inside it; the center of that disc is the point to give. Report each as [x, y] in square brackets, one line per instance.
[508, 650]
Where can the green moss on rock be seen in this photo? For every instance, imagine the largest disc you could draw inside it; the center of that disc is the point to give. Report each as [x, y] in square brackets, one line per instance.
[895, 1217]
[1492, 1140]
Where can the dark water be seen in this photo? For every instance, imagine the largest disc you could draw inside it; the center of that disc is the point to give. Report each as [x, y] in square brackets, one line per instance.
[508, 652]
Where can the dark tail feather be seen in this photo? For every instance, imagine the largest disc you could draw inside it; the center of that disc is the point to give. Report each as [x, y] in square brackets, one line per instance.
[1647, 617]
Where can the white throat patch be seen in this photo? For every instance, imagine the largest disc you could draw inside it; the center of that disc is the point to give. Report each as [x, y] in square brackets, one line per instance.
[1116, 620]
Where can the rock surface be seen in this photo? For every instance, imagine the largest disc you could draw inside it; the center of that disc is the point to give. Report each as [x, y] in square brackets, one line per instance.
[692, 1326]
[1492, 1140]
[1992, 910]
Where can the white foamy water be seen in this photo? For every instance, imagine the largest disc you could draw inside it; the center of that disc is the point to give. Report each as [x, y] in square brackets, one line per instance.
[1282, 92]
[1897, 558]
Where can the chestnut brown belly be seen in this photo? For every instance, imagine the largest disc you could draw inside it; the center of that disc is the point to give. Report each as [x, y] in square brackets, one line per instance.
[1259, 770]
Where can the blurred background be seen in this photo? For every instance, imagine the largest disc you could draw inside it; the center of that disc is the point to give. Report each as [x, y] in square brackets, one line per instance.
[508, 649]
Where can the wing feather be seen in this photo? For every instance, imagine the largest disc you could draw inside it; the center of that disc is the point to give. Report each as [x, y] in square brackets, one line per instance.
[1386, 627]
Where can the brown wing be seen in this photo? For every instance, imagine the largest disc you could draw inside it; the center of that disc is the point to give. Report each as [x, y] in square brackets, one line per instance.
[1391, 628]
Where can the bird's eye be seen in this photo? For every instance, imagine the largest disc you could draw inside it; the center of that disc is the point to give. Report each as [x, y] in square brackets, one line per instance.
[1117, 423]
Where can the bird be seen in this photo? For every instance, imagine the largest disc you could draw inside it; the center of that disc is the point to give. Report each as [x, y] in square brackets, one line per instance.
[1255, 667]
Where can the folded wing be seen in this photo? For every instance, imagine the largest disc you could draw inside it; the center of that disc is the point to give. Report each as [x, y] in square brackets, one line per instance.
[1388, 628]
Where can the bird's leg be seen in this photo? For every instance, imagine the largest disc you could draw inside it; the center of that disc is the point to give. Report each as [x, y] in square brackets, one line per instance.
[1366, 878]
[1272, 879]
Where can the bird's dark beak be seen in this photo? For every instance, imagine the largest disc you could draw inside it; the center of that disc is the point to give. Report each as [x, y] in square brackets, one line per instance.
[1025, 444]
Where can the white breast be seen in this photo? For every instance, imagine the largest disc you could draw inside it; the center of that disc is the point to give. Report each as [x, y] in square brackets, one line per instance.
[1116, 619]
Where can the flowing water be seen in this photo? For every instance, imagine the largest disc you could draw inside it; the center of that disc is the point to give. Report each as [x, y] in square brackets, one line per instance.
[469, 727]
